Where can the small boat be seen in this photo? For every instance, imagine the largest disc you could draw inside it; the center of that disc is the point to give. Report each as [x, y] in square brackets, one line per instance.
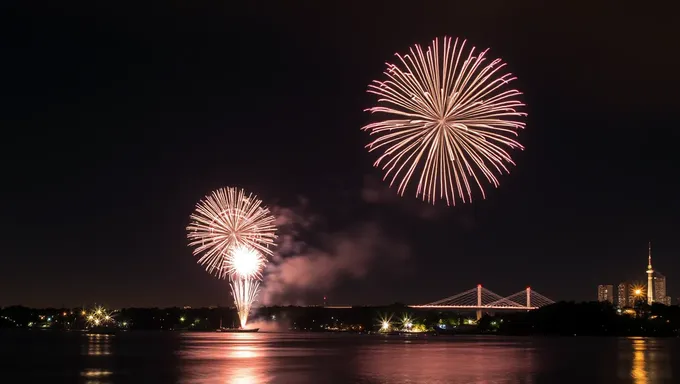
[237, 330]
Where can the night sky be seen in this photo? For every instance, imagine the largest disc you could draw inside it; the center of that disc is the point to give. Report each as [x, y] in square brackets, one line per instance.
[117, 120]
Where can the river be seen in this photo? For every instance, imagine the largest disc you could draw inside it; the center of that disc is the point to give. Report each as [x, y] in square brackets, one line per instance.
[158, 357]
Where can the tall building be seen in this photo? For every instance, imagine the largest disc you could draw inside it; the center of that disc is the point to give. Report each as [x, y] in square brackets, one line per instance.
[622, 295]
[659, 288]
[650, 278]
[605, 293]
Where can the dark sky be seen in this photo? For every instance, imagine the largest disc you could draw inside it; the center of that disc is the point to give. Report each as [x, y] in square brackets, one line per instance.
[117, 120]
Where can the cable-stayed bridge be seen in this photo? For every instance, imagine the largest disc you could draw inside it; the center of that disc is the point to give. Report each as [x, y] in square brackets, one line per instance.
[481, 299]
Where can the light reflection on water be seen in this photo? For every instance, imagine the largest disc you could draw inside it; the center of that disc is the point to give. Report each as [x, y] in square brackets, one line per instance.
[305, 358]
[650, 362]
[174, 357]
[238, 358]
[446, 362]
[98, 345]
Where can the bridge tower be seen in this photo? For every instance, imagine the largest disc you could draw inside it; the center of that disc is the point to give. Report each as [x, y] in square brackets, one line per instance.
[528, 297]
[479, 301]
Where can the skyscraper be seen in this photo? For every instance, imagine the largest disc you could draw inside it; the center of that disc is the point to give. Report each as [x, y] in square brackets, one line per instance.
[623, 292]
[605, 293]
[659, 288]
[650, 278]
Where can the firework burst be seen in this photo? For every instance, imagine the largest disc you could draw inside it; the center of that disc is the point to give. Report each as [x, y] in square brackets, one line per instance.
[448, 121]
[233, 233]
[226, 220]
[245, 262]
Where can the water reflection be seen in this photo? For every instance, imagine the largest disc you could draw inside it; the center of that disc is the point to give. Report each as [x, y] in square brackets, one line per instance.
[639, 370]
[229, 358]
[647, 365]
[446, 361]
[244, 375]
[264, 358]
[95, 376]
[98, 345]
[300, 358]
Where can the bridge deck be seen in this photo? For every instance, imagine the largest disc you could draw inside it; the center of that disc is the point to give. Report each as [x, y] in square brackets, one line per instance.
[472, 307]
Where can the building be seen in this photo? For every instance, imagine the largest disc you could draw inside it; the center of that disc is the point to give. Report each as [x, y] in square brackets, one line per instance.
[605, 293]
[622, 295]
[659, 288]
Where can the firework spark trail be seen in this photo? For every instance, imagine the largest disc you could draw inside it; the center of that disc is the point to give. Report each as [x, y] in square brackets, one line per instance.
[245, 292]
[450, 118]
[244, 265]
[225, 220]
[233, 233]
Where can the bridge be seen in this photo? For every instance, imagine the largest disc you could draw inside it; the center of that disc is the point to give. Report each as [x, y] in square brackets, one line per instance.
[481, 299]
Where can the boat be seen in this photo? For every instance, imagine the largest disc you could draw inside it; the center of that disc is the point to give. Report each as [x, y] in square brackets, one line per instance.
[237, 330]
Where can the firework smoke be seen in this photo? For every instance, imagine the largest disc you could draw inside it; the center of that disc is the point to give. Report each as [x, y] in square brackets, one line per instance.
[301, 269]
[376, 192]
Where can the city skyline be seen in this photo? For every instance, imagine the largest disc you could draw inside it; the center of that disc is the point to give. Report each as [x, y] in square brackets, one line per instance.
[628, 292]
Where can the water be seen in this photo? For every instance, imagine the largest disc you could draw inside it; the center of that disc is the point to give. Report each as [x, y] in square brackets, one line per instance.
[157, 357]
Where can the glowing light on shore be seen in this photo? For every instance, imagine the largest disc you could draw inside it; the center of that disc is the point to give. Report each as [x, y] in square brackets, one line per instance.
[385, 323]
[98, 317]
[406, 322]
[448, 120]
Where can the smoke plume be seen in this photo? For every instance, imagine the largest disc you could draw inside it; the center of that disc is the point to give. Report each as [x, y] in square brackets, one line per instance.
[301, 269]
[377, 192]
